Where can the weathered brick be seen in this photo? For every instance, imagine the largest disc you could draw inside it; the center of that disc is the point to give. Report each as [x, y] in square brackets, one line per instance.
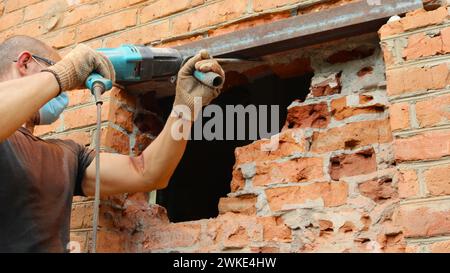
[290, 141]
[110, 241]
[296, 170]
[208, 15]
[422, 45]
[162, 8]
[417, 19]
[437, 180]
[328, 194]
[108, 6]
[433, 111]
[171, 236]
[80, 14]
[440, 247]
[84, 116]
[148, 123]
[106, 25]
[352, 135]
[79, 239]
[424, 220]
[408, 184]
[17, 4]
[40, 9]
[115, 139]
[326, 86]
[362, 162]
[238, 180]
[413, 79]
[340, 110]
[142, 142]
[243, 204]
[428, 145]
[311, 115]
[33, 29]
[81, 137]
[262, 5]
[274, 230]
[81, 216]
[120, 115]
[80, 96]
[399, 116]
[44, 129]
[379, 190]
[141, 35]
[11, 19]
[62, 39]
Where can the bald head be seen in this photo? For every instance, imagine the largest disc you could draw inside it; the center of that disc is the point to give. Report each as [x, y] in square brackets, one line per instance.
[13, 46]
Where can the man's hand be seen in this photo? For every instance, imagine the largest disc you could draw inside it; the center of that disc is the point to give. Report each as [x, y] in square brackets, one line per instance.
[72, 71]
[188, 87]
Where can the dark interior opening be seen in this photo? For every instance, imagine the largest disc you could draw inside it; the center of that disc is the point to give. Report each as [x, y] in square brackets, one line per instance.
[204, 173]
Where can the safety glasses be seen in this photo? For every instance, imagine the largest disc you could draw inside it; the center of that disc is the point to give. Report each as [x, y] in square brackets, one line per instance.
[40, 60]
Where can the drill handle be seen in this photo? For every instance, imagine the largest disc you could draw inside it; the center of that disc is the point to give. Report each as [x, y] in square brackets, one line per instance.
[210, 79]
[95, 80]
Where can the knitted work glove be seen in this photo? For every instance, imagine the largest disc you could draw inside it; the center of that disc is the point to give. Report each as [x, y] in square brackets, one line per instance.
[189, 87]
[71, 72]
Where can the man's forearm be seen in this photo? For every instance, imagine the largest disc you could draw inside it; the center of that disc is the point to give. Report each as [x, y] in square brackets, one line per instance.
[160, 159]
[21, 98]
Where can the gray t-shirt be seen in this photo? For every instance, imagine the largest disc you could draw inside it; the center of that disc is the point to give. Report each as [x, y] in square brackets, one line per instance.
[38, 179]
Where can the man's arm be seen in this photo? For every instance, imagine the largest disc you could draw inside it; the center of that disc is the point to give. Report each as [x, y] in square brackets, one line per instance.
[153, 169]
[149, 171]
[22, 98]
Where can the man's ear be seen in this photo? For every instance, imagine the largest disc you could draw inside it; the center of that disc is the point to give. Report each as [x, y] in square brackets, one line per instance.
[23, 60]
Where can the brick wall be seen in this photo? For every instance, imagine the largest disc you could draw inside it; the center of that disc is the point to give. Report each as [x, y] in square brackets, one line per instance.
[416, 53]
[350, 175]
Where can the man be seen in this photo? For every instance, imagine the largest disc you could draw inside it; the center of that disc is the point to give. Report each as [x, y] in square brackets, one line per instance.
[38, 178]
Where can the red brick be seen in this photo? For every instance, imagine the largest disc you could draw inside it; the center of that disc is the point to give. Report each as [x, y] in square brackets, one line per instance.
[433, 111]
[208, 15]
[352, 135]
[80, 237]
[425, 220]
[414, 20]
[363, 162]
[81, 216]
[62, 39]
[84, 116]
[110, 242]
[262, 5]
[290, 141]
[106, 25]
[115, 139]
[81, 137]
[422, 45]
[80, 96]
[172, 235]
[142, 142]
[422, 19]
[413, 79]
[379, 190]
[238, 180]
[108, 6]
[44, 129]
[10, 19]
[122, 96]
[251, 22]
[242, 204]
[141, 35]
[438, 180]
[120, 115]
[40, 9]
[311, 115]
[345, 56]
[296, 170]
[340, 110]
[274, 230]
[440, 247]
[408, 184]
[399, 116]
[162, 8]
[330, 86]
[33, 29]
[428, 145]
[80, 14]
[388, 56]
[332, 194]
[17, 4]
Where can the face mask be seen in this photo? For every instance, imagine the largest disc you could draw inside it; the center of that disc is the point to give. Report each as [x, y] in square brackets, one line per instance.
[51, 111]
